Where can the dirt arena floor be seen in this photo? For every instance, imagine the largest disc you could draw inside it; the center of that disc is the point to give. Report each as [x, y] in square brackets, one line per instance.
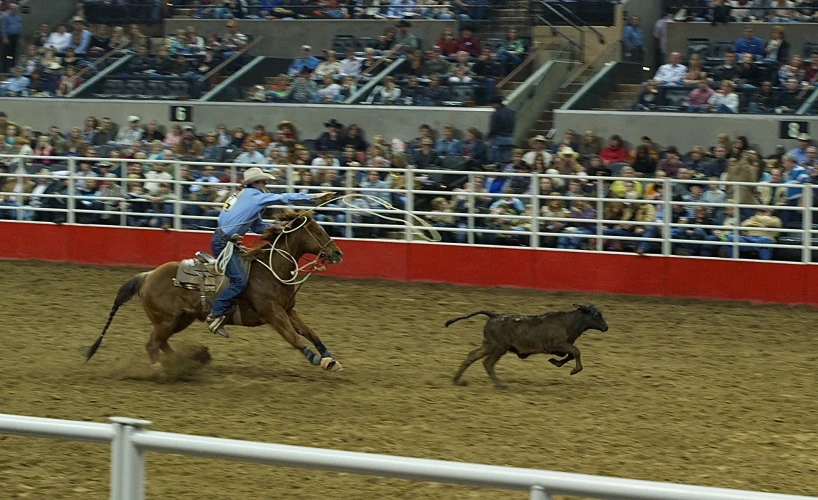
[711, 393]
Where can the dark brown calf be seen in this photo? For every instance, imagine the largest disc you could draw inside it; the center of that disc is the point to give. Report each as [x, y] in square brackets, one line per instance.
[549, 333]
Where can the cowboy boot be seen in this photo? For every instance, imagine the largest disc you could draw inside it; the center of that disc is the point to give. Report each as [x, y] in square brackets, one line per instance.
[216, 325]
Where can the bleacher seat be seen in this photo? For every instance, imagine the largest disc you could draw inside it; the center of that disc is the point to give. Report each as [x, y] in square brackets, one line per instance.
[342, 43]
[364, 42]
[461, 92]
[719, 48]
[494, 44]
[700, 46]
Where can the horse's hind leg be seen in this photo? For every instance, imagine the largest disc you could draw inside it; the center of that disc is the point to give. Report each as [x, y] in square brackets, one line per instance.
[304, 330]
[158, 340]
[160, 335]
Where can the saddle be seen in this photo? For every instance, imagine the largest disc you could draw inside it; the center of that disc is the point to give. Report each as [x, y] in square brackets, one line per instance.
[199, 274]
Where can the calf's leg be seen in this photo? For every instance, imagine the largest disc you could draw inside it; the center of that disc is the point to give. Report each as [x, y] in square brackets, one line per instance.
[571, 351]
[488, 363]
[559, 362]
[473, 356]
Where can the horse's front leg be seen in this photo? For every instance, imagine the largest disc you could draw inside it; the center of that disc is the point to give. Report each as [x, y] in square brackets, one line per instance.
[305, 330]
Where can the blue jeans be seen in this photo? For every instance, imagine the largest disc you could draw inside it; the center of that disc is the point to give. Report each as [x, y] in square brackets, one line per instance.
[763, 253]
[572, 243]
[722, 108]
[234, 272]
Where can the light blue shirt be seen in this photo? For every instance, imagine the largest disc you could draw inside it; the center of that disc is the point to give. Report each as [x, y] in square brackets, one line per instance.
[242, 211]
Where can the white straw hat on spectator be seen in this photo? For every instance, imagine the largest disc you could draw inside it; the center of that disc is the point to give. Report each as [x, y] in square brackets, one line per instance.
[306, 47]
[556, 181]
[537, 138]
[254, 174]
[133, 118]
[803, 136]
[567, 151]
[54, 66]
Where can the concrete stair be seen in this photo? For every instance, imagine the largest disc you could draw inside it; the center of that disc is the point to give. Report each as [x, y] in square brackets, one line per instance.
[619, 98]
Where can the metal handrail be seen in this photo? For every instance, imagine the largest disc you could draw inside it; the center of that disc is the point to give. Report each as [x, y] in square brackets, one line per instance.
[604, 57]
[527, 62]
[232, 58]
[581, 21]
[555, 30]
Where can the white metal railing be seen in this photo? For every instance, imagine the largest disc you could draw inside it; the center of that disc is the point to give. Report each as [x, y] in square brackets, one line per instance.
[469, 221]
[129, 440]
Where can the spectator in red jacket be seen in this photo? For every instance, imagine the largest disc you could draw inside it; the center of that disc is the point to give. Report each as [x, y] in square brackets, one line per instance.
[613, 152]
[447, 43]
[468, 41]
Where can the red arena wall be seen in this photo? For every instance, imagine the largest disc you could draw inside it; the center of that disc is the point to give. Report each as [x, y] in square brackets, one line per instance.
[477, 265]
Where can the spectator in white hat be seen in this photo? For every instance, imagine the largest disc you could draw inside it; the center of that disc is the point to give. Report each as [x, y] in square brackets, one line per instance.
[131, 134]
[537, 143]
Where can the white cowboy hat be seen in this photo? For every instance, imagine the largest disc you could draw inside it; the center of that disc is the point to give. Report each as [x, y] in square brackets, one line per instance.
[536, 138]
[803, 136]
[254, 174]
[567, 151]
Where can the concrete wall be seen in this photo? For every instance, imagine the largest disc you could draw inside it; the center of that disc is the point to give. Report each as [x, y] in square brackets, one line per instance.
[279, 35]
[796, 33]
[681, 130]
[389, 121]
[649, 11]
[46, 11]
[542, 35]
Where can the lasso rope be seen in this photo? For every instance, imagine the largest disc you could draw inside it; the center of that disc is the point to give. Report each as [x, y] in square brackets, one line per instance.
[435, 235]
[311, 267]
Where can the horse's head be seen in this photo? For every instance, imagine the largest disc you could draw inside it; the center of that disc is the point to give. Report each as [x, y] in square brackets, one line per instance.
[316, 241]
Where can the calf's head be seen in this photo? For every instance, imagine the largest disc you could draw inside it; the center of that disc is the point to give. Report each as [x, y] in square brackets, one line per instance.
[593, 316]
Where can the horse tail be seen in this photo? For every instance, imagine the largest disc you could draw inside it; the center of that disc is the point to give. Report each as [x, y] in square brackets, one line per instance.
[126, 292]
[485, 313]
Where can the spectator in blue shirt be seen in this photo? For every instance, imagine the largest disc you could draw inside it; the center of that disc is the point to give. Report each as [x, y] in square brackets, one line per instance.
[306, 61]
[749, 44]
[448, 145]
[633, 40]
[800, 153]
[81, 49]
[11, 27]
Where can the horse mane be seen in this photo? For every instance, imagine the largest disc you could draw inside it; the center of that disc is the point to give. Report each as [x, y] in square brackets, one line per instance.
[266, 238]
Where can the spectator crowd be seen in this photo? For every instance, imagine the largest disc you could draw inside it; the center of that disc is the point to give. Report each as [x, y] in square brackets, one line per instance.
[573, 208]
[750, 76]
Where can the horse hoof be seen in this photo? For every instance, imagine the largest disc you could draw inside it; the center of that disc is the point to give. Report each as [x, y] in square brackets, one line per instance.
[157, 366]
[331, 365]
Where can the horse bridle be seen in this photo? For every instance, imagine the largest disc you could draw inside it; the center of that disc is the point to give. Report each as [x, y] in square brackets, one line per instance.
[317, 264]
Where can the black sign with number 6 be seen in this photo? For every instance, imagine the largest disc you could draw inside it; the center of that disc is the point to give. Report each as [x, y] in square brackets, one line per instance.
[181, 113]
[791, 128]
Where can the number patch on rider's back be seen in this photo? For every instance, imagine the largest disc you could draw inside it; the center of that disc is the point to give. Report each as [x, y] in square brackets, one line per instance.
[228, 204]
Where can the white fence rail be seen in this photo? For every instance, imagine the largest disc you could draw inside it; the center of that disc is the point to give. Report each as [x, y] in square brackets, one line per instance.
[129, 440]
[471, 216]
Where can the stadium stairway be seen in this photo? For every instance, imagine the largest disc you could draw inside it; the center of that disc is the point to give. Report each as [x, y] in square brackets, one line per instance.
[620, 98]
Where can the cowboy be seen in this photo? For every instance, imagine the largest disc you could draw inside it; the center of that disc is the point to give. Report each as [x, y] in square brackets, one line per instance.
[242, 213]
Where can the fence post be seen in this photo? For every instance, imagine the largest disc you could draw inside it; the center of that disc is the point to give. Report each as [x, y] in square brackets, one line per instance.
[667, 211]
[539, 493]
[410, 203]
[535, 211]
[127, 461]
[600, 215]
[72, 192]
[177, 192]
[471, 202]
[806, 255]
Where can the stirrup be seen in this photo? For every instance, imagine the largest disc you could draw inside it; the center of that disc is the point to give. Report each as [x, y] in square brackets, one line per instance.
[216, 325]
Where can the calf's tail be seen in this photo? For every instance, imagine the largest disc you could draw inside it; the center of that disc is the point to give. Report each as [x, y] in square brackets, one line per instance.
[485, 313]
[126, 292]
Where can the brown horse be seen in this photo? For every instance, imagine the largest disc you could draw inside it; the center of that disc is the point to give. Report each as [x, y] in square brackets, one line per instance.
[266, 300]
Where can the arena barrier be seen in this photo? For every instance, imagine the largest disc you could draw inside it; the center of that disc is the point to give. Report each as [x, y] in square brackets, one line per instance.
[129, 440]
[399, 256]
